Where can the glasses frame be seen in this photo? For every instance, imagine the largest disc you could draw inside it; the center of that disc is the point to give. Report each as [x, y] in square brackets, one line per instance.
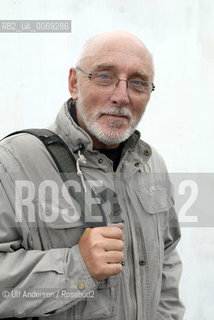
[89, 76]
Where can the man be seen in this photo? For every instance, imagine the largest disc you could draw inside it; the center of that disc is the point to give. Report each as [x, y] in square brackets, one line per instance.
[127, 268]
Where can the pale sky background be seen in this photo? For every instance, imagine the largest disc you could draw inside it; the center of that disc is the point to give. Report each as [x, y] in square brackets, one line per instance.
[179, 118]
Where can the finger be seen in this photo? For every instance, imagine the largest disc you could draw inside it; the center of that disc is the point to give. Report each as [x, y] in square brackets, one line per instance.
[112, 232]
[112, 244]
[114, 256]
[114, 268]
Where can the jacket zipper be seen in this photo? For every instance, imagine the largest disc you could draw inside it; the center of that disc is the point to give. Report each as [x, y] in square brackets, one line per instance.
[130, 255]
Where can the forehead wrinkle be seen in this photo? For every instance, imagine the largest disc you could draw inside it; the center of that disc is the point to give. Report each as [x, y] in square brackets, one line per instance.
[111, 67]
[106, 53]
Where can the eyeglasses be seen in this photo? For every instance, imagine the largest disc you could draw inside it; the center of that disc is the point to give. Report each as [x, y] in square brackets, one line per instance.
[109, 79]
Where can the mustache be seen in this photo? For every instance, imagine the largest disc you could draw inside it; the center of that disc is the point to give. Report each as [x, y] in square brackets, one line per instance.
[122, 111]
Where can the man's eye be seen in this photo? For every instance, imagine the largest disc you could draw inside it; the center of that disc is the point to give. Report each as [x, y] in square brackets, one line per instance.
[104, 76]
[136, 82]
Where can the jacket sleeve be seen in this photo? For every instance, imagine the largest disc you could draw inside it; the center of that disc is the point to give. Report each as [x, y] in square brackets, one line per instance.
[32, 282]
[170, 306]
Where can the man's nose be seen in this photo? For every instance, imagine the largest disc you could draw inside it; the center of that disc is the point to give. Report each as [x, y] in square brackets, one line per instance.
[120, 93]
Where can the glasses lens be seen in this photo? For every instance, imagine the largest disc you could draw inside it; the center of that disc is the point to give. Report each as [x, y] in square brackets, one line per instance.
[103, 78]
[139, 85]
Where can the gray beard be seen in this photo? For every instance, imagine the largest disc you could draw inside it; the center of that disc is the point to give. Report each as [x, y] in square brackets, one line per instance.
[108, 136]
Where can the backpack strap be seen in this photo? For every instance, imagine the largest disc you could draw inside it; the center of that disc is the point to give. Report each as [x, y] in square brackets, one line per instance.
[66, 164]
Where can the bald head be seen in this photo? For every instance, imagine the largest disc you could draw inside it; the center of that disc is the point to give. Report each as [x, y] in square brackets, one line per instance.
[112, 42]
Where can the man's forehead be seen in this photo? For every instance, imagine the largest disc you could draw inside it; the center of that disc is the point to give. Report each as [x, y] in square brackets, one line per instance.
[116, 60]
[116, 48]
[121, 49]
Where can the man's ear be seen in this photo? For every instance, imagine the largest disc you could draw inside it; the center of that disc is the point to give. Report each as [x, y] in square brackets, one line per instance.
[72, 83]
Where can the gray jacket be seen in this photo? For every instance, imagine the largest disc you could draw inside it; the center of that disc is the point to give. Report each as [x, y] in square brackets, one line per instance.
[42, 272]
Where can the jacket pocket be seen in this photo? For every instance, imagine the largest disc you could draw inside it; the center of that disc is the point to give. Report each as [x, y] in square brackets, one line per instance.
[154, 199]
[155, 203]
[63, 224]
[154, 207]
